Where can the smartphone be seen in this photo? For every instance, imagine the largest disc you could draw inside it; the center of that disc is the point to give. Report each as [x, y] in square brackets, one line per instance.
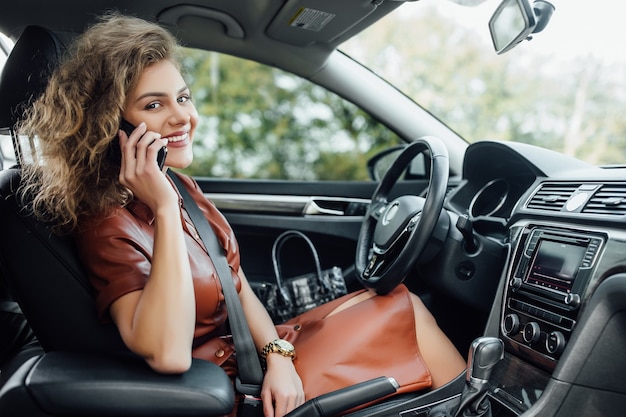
[115, 152]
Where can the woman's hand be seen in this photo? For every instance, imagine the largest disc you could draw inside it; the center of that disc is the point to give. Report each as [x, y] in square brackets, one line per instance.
[139, 170]
[282, 387]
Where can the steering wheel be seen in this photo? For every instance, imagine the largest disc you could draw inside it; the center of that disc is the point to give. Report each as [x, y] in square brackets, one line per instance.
[395, 234]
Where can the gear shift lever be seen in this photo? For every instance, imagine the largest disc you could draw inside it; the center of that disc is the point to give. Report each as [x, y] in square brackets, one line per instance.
[484, 354]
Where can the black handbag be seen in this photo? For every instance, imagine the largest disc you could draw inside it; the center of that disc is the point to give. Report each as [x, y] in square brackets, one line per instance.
[288, 297]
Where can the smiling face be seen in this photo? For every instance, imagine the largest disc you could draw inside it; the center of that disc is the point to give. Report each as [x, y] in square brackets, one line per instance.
[162, 101]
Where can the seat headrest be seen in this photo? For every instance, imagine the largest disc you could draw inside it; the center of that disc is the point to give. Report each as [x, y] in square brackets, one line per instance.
[26, 72]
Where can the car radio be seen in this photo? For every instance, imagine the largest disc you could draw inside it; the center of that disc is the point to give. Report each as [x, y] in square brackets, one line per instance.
[552, 270]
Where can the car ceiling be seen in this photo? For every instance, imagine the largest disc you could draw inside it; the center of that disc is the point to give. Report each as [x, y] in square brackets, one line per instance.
[263, 30]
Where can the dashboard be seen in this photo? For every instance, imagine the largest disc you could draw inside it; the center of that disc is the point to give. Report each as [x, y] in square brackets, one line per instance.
[559, 307]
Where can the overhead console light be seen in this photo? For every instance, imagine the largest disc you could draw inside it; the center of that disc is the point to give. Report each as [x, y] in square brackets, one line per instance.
[172, 15]
[515, 20]
[304, 22]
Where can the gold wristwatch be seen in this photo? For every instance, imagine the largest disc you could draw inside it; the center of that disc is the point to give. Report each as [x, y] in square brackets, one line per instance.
[279, 346]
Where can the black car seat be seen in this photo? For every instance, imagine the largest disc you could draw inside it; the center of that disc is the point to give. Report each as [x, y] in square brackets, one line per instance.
[85, 368]
[51, 278]
[17, 340]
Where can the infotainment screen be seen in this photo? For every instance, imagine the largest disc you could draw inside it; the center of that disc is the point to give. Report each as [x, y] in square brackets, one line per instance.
[555, 265]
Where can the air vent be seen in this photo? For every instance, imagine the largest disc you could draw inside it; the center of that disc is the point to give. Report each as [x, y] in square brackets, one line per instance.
[552, 197]
[609, 199]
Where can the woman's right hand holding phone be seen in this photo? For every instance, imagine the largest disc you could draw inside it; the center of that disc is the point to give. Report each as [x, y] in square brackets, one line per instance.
[139, 170]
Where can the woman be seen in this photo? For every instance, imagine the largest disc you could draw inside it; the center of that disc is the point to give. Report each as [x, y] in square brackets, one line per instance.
[153, 278]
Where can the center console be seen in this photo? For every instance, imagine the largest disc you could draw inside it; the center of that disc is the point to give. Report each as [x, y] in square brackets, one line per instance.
[551, 270]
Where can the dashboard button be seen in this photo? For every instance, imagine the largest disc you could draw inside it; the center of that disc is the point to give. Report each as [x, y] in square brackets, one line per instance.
[511, 324]
[572, 300]
[515, 283]
[555, 343]
[532, 332]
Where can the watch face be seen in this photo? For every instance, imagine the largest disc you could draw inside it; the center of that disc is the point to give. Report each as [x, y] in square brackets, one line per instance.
[285, 345]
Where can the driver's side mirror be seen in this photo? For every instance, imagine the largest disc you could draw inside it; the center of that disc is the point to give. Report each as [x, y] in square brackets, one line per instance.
[377, 166]
[515, 20]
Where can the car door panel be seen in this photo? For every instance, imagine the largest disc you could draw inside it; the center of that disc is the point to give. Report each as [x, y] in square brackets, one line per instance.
[330, 213]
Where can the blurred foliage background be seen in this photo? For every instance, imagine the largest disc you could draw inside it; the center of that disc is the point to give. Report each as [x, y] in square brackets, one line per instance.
[559, 95]
[260, 122]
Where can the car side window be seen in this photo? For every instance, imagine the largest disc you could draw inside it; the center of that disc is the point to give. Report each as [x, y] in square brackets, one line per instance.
[258, 122]
[6, 146]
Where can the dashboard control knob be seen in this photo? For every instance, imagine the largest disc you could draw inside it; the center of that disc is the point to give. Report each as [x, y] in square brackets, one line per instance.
[515, 283]
[572, 300]
[555, 343]
[532, 332]
[511, 324]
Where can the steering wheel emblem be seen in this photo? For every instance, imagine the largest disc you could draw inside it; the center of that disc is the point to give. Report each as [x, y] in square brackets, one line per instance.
[390, 213]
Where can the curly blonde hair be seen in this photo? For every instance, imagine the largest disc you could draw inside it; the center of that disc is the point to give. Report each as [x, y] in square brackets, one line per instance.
[78, 116]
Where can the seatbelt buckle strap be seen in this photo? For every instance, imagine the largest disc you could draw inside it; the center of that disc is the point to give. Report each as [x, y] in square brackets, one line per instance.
[252, 390]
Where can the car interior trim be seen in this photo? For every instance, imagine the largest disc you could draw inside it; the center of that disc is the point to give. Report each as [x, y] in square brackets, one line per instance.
[284, 204]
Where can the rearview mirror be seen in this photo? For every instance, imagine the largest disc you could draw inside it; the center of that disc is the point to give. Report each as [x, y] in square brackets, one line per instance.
[515, 20]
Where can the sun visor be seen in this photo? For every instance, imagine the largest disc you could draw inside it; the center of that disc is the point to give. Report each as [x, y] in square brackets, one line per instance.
[304, 22]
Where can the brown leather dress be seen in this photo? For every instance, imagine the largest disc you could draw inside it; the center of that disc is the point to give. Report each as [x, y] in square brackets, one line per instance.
[373, 338]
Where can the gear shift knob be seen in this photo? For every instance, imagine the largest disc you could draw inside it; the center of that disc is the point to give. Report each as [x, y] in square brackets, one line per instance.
[484, 353]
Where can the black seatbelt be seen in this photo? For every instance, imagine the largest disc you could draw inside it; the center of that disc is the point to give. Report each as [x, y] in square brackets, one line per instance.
[250, 373]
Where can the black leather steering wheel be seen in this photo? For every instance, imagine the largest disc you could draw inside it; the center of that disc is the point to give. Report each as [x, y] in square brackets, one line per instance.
[394, 234]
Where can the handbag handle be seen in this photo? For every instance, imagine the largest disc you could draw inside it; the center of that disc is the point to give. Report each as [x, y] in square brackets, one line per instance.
[278, 244]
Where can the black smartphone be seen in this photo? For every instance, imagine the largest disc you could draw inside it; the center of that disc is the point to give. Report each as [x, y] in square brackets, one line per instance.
[115, 153]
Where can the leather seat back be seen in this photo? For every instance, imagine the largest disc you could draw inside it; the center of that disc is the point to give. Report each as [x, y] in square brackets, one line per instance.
[26, 72]
[42, 270]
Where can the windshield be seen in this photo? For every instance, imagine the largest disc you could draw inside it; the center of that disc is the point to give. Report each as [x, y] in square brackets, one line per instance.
[563, 90]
